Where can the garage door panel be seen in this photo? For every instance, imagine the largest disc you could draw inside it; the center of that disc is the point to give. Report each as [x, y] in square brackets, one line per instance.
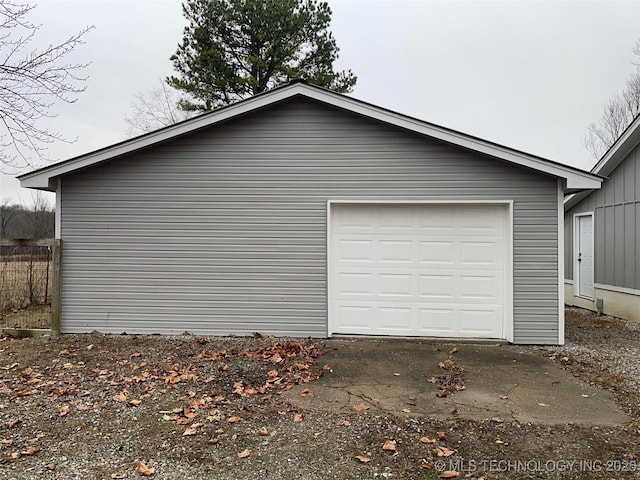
[359, 218]
[481, 219]
[436, 322]
[487, 253]
[486, 288]
[358, 318]
[356, 250]
[396, 220]
[437, 252]
[436, 270]
[395, 251]
[393, 285]
[435, 220]
[480, 322]
[437, 286]
[356, 284]
[395, 318]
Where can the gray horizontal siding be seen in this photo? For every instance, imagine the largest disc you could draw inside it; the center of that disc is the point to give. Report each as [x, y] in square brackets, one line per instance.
[616, 208]
[224, 231]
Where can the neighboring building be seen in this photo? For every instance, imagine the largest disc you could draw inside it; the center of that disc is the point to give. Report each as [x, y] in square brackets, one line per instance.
[304, 212]
[602, 234]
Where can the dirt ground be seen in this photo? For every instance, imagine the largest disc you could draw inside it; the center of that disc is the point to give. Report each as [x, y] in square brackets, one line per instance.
[123, 406]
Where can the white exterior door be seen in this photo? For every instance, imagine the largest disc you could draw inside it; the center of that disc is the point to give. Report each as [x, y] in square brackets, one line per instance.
[418, 270]
[584, 253]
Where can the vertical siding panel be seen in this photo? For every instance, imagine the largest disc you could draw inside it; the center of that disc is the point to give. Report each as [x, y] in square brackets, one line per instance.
[630, 244]
[618, 185]
[599, 247]
[618, 239]
[568, 245]
[609, 244]
[224, 231]
[629, 174]
[637, 245]
[610, 193]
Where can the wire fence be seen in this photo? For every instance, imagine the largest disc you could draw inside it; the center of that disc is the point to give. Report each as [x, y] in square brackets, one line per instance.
[26, 286]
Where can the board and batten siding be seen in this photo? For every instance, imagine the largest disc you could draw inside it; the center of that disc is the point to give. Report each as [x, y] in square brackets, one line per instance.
[224, 231]
[616, 209]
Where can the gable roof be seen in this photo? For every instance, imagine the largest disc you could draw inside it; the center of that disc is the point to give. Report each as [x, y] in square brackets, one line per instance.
[629, 140]
[574, 179]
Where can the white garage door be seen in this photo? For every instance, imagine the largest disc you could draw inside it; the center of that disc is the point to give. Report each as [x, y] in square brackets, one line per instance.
[418, 270]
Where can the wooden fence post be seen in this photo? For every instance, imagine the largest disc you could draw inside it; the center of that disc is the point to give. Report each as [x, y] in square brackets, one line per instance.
[56, 287]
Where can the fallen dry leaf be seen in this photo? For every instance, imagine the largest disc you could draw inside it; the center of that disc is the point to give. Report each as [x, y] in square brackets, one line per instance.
[425, 464]
[363, 458]
[442, 436]
[122, 396]
[263, 432]
[389, 446]
[298, 417]
[190, 431]
[453, 350]
[306, 393]
[361, 407]
[118, 475]
[243, 454]
[213, 441]
[346, 423]
[444, 451]
[14, 423]
[427, 440]
[503, 397]
[449, 474]
[52, 466]
[31, 451]
[135, 402]
[142, 469]
[406, 410]
[233, 419]
[62, 411]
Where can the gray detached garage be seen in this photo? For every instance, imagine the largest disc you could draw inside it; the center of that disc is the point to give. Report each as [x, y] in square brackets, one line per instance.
[307, 213]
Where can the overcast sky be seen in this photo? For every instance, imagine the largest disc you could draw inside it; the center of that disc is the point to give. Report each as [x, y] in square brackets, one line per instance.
[531, 75]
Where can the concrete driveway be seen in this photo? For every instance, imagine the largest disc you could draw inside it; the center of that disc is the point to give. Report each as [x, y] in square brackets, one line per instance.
[501, 382]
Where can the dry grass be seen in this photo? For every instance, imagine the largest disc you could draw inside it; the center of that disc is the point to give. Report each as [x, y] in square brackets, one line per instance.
[25, 289]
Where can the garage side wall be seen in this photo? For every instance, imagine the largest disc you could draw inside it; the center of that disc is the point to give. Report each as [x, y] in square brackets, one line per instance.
[224, 231]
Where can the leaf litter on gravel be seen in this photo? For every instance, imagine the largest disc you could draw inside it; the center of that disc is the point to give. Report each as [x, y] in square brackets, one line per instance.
[187, 381]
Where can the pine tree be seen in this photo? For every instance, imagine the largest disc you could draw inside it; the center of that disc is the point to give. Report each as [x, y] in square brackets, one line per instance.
[233, 49]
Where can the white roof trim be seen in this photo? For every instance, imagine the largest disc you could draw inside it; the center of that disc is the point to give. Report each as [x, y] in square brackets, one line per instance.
[574, 179]
[629, 140]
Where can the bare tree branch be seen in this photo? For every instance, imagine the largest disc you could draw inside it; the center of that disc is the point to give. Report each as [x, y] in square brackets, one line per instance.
[617, 114]
[7, 214]
[155, 109]
[31, 82]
